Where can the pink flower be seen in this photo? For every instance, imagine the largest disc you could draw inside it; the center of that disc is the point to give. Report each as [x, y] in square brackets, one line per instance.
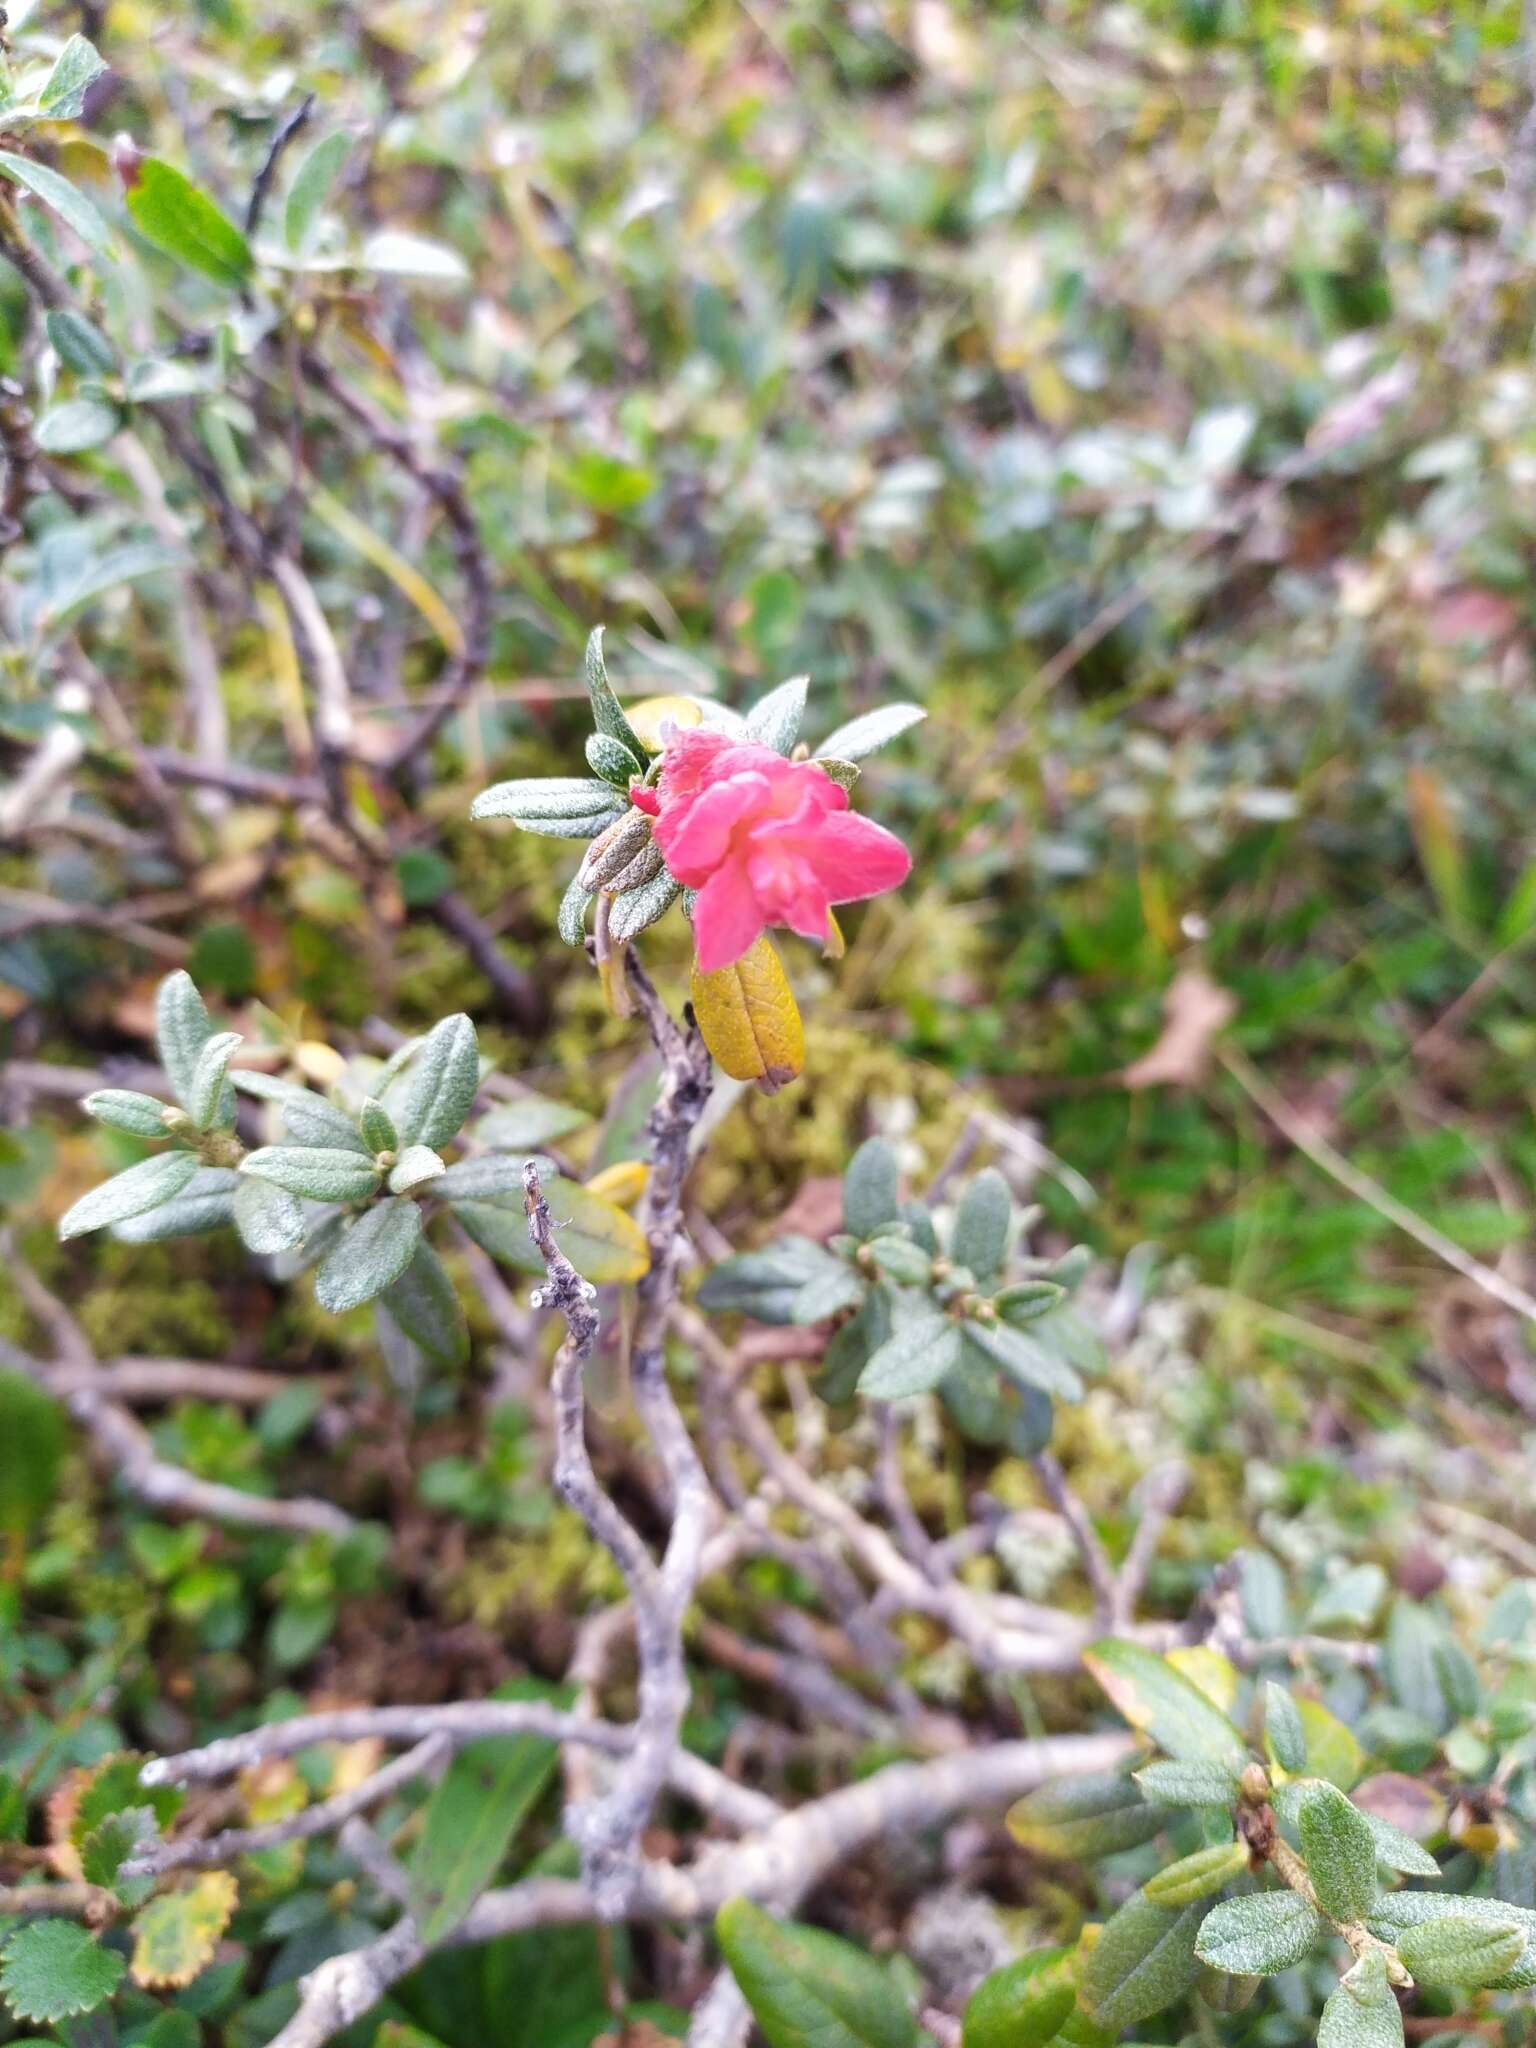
[763, 840]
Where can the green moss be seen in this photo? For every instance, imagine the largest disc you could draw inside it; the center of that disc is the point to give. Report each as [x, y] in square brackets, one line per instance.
[768, 1145]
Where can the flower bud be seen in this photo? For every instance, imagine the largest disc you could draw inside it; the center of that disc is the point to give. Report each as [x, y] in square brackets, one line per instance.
[646, 864]
[613, 849]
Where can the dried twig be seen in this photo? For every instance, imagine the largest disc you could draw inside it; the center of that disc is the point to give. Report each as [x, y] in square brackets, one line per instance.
[444, 484]
[282, 137]
[124, 1443]
[778, 1866]
[326, 1817]
[608, 1830]
[1101, 1573]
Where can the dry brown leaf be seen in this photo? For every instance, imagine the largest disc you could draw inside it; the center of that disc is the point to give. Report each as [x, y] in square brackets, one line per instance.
[1194, 1010]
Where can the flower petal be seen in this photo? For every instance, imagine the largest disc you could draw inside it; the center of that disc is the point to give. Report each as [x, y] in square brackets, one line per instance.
[726, 919]
[695, 839]
[855, 858]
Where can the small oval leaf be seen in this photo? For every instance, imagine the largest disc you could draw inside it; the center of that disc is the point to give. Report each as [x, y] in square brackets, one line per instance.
[749, 1018]
[372, 1255]
[129, 1193]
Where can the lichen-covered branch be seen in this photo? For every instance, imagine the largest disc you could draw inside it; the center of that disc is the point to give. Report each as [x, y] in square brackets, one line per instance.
[608, 1828]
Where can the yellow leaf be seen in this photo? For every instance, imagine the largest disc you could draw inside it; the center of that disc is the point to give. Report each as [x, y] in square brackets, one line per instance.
[318, 1062]
[272, 1790]
[1208, 1670]
[749, 1018]
[623, 1183]
[646, 718]
[175, 1935]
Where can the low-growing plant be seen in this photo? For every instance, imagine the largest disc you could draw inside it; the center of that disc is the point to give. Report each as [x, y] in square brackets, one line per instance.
[922, 1304]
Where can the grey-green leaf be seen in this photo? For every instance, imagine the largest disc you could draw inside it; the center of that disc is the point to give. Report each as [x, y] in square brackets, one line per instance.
[81, 345]
[376, 1127]
[1349, 2022]
[416, 1165]
[309, 1119]
[1027, 1363]
[913, 1359]
[905, 1262]
[774, 720]
[876, 729]
[1027, 1301]
[1461, 1950]
[443, 1080]
[1142, 1961]
[129, 1193]
[980, 1237]
[321, 1173]
[1258, 1935]
[423, 1302]
[555, 806]
[126, 1110]
[1394, 1912]
[1282, 1724]
[767, 1284]
[1340, 1852]
[482, 1178]
[574, 905]
[268, 1218]
[607, 715]
[311, 185]
[631, 912]
[1198, 1876]
[827, 1295]
[611, 760]
[1398, 1850]
[205, 1203]
[72, 207]
[1188, 1782]
[182, 1027]
[75, 71]
[372, 1256]
[870, 1189]
[208, 1094]
[75, 425]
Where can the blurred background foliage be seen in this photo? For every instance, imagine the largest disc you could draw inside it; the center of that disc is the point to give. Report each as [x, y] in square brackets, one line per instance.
[1146, 389]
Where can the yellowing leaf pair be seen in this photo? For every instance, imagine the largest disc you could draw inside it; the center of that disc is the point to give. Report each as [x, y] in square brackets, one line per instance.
[749, 1018]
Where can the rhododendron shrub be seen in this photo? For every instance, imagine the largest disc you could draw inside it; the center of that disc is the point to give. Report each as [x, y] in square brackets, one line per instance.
[732, 815]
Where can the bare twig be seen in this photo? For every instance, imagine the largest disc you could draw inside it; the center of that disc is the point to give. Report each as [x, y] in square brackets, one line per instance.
[282, 137]
[1101, 1573]
[324, 1818]
[609, 1829]
[444, 485]
[125, 1444]
[460, 1721]
[79, 1901]
[1160, 1493]
[517, 991]
[722, 2017]
[20, 453]
[778, 1866]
